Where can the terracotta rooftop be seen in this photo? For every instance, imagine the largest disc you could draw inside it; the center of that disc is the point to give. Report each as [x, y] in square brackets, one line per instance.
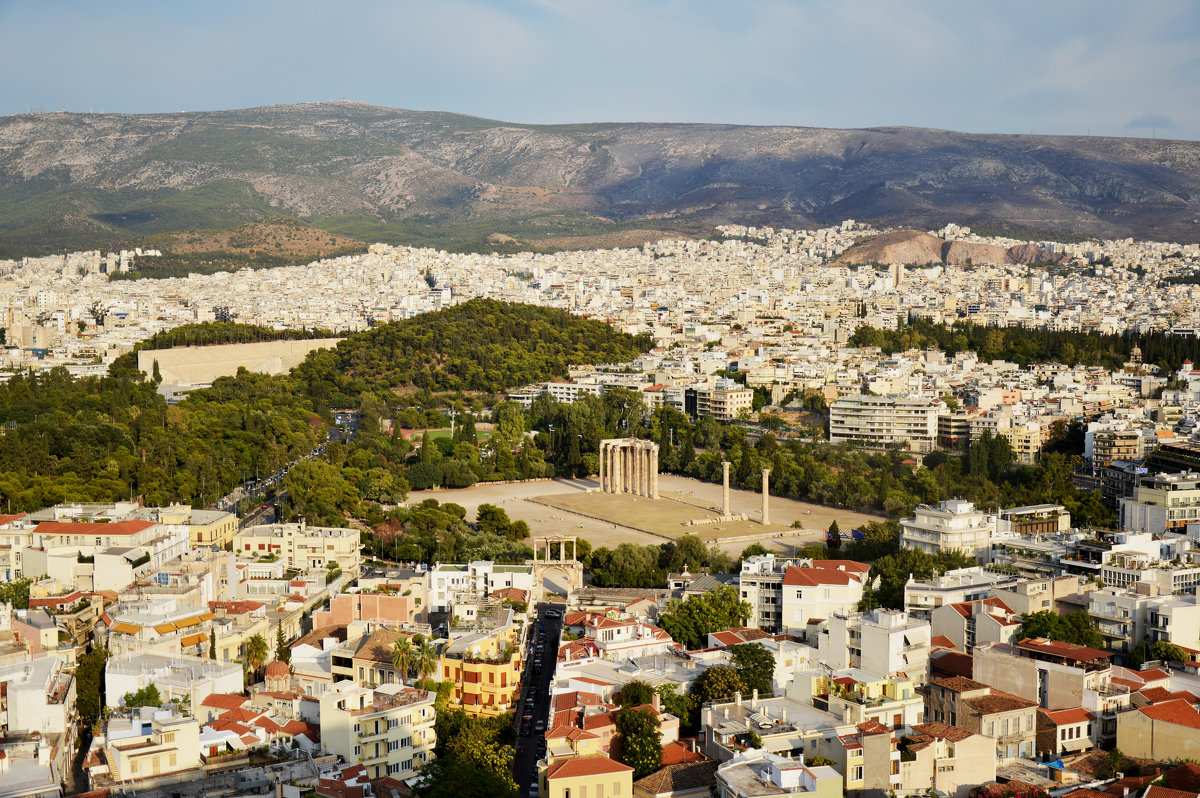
[812, 577]
[1155, 791]
[1063, 717]
[678, 777]
[1185, 777]
[1177, 711]
[942, 731]
[582, 767]
[1057, 648]
[998, 701]
[958, 684]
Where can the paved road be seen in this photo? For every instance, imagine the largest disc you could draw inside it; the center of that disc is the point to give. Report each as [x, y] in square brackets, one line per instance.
[537, 691]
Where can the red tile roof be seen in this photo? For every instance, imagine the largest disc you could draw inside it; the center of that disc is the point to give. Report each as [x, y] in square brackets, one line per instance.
[1058, 648]
[941, 641]
[90, 528]
[998, 701]
[1064, 717]
[1185, 777]
[582, 767]
[943, 730]
[853, 566]
[1177, 711]
[1155, 791]
[224, 701]
[812, 577]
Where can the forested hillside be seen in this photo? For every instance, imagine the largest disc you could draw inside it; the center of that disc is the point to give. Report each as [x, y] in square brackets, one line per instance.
[1023, 346]
[481, 345]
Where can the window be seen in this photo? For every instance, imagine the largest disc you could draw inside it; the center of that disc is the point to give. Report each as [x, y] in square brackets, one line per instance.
[358, 728]
[171, 759]
[358, 750]
[856, 773]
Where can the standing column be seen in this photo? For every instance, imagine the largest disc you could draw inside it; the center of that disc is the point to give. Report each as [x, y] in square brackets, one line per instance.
[621, 468]
[654, 473]
[613, 458]
[766, 497]
[643, 471]
[725, 489]
[601, 475]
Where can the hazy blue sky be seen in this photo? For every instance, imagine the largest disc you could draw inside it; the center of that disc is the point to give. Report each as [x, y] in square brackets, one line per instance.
[1051, 66]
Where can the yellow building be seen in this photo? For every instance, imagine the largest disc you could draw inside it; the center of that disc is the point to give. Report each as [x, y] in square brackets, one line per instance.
[485, 669]
[388, 730]
[171, 746]
[591, 776]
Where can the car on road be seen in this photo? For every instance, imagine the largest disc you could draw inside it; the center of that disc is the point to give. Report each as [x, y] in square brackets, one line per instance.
[553, 614]
[525, 727]
[540, 726]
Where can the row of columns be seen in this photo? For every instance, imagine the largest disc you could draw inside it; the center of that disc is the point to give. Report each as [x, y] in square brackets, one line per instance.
[544, 544]
[629, 465]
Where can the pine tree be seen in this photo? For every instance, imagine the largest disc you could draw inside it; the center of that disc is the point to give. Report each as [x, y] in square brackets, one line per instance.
[282, 652]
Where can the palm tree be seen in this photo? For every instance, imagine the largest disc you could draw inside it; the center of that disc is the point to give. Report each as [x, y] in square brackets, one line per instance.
[402, 658]
[425, 660]
[257, 652]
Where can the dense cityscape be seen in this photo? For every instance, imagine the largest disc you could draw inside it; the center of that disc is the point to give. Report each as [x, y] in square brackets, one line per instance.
[549, 399]
[973, 643]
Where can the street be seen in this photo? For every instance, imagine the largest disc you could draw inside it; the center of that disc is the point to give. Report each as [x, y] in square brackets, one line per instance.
[536, 697]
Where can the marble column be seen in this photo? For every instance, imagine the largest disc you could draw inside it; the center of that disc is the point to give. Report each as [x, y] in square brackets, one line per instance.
[654, 473]
[725, 489]
[603, 446]
[766, 497]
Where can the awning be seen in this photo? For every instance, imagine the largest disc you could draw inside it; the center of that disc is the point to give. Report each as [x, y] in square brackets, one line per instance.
[126, 628]
[193, 640]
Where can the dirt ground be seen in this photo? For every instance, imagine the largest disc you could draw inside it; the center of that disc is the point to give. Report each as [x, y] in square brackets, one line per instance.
[543, 520]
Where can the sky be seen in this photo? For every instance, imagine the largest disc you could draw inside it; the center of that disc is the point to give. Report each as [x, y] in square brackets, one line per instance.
[1074, 67]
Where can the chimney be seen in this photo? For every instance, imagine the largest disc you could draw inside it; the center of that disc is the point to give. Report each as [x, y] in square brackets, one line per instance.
[783, 715]
[656, 701]
[754, 699]
[737, 698]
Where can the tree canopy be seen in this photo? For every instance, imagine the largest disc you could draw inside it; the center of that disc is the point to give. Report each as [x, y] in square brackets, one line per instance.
[641, 740]
[689, 622]
[1075, 627]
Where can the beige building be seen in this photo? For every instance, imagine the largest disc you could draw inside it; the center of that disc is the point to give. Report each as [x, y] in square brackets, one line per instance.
[954, 525]
[1009, 720]
[880, 421]
[387, 730]
[1168, 730]
[724, 403]
[594, 776]
[150, 744]
[302, 546]
[951, 760]
[881, 642]
[1052, 674]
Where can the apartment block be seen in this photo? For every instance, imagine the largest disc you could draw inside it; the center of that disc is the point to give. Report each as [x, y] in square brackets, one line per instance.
[882, 642]
[302, 546]
[388, 730]
[880, 421]
[954, 525]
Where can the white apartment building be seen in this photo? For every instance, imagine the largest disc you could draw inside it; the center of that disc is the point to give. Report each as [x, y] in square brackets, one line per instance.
[954, 525]
[37, 697]
[952, 587]
[880, 421]
[760, 584]
[454, 583]
[149, 542]
[188, 679]
[302, 546]
[817, 593]
[388, 730]
[1162, 502]
[881, 642]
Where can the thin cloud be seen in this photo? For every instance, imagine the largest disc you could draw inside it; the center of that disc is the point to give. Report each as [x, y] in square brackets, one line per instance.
[1150, 121]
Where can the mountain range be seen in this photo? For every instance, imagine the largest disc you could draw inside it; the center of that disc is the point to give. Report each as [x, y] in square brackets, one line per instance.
[368, 173]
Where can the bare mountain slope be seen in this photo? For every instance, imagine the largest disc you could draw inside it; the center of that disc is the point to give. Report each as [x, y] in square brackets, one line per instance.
[386, 174]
